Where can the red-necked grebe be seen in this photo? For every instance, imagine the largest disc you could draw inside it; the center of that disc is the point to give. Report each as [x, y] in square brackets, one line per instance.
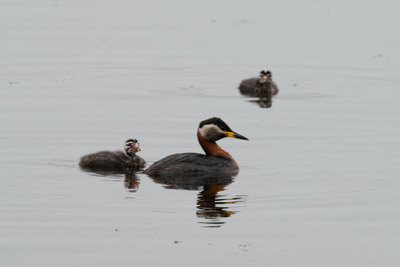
[114, 161]
[215, 160]
[263, 87]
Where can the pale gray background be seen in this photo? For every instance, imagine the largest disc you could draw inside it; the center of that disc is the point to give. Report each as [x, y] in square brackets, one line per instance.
[319, 182]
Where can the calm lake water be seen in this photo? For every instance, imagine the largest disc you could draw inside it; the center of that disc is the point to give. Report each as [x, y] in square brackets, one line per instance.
[319, 180]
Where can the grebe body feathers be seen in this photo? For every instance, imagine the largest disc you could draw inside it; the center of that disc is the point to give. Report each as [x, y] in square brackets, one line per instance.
[215, 159]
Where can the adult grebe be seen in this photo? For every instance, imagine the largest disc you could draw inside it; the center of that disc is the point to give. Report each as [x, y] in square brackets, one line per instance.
[263, 87]
[215, 160]
[114, 161]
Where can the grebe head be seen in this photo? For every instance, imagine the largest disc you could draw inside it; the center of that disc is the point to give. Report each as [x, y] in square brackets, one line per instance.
[265, 76]
[215, 129]
[131, 147]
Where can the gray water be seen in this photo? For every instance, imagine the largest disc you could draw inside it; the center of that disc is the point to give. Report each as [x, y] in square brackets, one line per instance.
[319, 178]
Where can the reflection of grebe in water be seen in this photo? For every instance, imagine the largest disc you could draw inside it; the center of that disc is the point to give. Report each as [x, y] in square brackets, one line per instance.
[263, 87]
[118, 161]
[212, 207]
[131, 181]
[191, 164]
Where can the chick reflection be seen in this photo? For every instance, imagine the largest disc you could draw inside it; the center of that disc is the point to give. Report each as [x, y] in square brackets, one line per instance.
[263, 102]
[210, 204]
[131, 182]
[131, 179]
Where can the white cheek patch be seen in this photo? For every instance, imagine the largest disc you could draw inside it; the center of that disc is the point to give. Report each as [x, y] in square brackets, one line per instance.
[210, 130]
[128, 146]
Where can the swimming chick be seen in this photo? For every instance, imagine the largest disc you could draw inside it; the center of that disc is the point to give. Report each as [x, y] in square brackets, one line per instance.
[215, 159]
[263, 87]
[114, 161]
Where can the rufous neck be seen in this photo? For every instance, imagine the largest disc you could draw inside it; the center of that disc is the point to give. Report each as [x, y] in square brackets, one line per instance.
[211, 148]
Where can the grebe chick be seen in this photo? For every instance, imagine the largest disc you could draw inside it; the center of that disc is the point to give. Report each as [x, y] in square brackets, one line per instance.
[114, 161]
[263, 87]
[215, 160]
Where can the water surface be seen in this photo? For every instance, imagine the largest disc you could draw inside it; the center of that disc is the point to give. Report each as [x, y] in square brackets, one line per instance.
[319, 178]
